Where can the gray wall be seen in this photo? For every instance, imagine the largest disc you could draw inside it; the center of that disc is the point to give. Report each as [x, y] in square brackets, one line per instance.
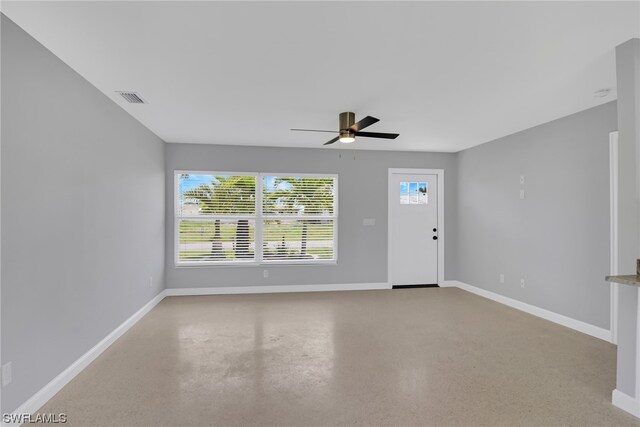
[362, 251]
[82, 215]
[557, 238]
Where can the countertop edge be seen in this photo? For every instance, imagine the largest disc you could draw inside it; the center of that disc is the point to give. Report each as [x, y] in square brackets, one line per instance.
[632, 280]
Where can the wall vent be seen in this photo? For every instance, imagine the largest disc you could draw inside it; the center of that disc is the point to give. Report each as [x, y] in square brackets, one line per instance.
[132, 97]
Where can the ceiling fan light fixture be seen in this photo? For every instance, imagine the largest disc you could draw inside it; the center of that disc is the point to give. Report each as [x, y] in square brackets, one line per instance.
[347, 137]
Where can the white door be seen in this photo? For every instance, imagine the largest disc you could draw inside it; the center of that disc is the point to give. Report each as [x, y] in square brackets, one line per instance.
[413, 224]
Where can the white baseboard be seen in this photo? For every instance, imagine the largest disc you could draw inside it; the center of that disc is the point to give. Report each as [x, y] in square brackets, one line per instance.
[55, 385]
[449, 284]
[274, 289]
[625, 402]
[569, 322]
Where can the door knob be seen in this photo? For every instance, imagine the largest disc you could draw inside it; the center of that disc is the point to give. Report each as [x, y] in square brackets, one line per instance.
[435, 237]
[435, 229]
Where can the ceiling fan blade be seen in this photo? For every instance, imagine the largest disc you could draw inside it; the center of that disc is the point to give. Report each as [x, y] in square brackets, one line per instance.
[315, 130]
[378, 135]
[332, 141]
[367, 121]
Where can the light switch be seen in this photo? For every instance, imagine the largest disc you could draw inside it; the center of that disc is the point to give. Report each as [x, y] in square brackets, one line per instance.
[369, 222]
[522, 194]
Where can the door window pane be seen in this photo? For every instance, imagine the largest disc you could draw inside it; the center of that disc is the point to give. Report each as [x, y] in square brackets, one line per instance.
[414, 193]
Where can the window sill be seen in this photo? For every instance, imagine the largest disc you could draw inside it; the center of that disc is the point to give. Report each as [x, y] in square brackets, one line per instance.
[257, 264]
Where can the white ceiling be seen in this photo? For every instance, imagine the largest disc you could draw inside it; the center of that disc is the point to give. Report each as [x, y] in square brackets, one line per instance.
[445, 75]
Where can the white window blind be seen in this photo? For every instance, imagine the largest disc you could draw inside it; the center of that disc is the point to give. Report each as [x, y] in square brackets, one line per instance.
[233, 218]
[298, 217]
[215, 218]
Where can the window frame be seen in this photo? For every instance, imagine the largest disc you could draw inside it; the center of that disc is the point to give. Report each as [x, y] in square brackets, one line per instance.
[258, 217]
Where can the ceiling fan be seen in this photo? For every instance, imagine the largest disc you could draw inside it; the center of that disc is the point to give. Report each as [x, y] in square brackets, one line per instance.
[349, 129]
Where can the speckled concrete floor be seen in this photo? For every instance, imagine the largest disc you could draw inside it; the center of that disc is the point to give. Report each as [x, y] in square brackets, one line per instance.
[429, 357]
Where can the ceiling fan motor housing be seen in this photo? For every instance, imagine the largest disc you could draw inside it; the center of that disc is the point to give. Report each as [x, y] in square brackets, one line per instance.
[347, 120]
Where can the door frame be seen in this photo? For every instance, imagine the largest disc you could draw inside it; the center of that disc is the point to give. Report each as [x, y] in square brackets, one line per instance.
[440, 175]
[613, 233]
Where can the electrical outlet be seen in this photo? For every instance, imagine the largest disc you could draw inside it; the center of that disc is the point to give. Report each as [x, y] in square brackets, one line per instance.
[265, 273]
[521, 179]
[501, 278]
[522, 194]
[369, 222]
[522, 283]
[6, 374]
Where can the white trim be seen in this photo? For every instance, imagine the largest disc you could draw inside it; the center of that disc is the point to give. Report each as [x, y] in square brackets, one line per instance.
[176, 220]
[448, 284]
[1, 360]
[569, 322]
[258, 227]
[256, 174]
[625, 402]
[274, 262]
[637, 364]
[227, 290]
[55, 385]
[441, 228]
[613, 232]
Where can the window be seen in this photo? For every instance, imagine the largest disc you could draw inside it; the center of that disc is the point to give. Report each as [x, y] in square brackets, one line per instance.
[233, 218]
[414, 193]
